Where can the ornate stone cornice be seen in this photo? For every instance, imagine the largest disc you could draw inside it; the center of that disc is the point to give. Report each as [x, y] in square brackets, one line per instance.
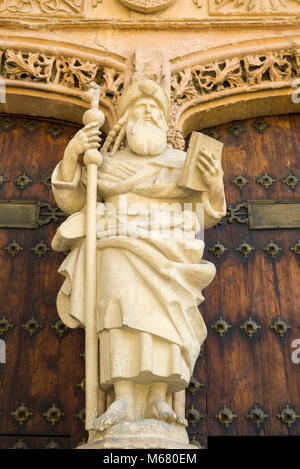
[253, 7]
[204, 14]
[60, 48]
[195, 80]
[65, 73]
[42, 7]
[212, 23]
[204, 81]
[196, 12]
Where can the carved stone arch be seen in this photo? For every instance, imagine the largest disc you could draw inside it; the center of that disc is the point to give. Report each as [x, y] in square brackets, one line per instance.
[235, 108]
[223, 84]
[47, 79]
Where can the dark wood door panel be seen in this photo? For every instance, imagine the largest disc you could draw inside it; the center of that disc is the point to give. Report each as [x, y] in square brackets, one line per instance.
[43, 364]
[35, 442]
[237, 371]
[241, 371]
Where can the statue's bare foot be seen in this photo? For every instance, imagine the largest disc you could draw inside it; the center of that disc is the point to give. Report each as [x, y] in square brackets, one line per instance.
[114, 415]
[181, 421]
[160, 410]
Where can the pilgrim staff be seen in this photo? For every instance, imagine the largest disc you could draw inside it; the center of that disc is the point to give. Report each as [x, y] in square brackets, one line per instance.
[92, 160]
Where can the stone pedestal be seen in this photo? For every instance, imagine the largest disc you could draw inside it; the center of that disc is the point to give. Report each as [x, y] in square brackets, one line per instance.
[141, 434]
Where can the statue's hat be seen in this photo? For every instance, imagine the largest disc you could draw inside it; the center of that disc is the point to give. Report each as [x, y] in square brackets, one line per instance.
[143, 89]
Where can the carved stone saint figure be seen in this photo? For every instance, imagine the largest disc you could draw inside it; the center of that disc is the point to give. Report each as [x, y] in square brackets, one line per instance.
[149, 279]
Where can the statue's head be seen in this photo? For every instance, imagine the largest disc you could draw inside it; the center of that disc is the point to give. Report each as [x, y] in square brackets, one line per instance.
[143, 114]
[146, 129]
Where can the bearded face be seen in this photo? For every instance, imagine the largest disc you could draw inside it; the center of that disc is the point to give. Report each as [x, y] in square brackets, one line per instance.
[146, 129]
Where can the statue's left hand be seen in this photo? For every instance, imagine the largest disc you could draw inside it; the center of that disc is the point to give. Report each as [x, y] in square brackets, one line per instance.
[210, 168]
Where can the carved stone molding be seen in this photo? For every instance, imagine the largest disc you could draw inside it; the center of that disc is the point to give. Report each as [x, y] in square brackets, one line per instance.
[190, 14]
[62, 74]
[227, 74]
[42, 7]
[69, 72]
[219, 11]
[198, 81]
[253, 7]
[207, 81]
[147, 6]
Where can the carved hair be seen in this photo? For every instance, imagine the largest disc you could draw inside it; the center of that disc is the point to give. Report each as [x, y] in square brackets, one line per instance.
[116, 135]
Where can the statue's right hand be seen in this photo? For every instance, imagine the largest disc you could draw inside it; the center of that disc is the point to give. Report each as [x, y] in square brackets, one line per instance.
[85, 139]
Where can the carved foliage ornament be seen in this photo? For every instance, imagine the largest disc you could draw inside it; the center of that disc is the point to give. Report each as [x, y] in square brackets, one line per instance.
[199, 80]
[48, 7]
[203, 82]
[190, 86]
[147, 6]
[252, 7]
[68, 72]
[35, 66]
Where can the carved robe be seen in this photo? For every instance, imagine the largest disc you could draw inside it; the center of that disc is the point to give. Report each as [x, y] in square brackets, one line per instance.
[149, 285]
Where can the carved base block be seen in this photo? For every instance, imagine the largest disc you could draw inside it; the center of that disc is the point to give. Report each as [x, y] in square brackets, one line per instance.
[141, 434]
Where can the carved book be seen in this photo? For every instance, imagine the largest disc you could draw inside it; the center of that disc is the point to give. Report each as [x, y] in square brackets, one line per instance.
[191, 175]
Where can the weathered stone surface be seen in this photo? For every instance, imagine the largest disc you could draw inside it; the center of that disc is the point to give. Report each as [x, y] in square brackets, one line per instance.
[134, 276]
[141, 434]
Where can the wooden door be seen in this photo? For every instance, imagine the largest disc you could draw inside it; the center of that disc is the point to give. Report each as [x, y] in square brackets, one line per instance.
[41, 383]
[247, 382]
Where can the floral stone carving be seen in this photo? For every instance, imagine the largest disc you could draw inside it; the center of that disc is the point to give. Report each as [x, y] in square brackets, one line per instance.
[66, 72]
[206, 81]
[253, 7]
[45, 7]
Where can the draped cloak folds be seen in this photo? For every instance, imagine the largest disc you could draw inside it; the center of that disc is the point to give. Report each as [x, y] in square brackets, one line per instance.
[145, 283]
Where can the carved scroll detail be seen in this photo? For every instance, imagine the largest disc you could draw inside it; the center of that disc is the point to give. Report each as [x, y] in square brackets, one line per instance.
[49, 7]
[74, 73]
[234, 73]
[297, 62]
[112, 83]
[194, 84]
[268, 67]
[252, 6]
[175, 137]
[69, 72]
[28, 66]
[217, 76]
[203, 82]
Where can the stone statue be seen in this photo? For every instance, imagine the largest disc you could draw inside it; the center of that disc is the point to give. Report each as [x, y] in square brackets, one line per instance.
[150, 273]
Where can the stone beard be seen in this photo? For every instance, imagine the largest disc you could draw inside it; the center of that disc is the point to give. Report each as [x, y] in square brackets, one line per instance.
[146, 136]
[148, 288]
